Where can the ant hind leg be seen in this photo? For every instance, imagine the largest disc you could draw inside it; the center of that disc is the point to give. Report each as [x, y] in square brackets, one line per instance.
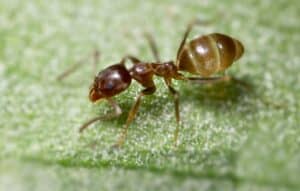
[225, 78]
[247, 86]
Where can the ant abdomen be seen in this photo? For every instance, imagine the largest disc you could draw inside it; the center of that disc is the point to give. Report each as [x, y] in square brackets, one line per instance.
[209, 54]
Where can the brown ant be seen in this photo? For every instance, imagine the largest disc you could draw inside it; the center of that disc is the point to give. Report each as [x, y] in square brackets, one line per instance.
[202, 56]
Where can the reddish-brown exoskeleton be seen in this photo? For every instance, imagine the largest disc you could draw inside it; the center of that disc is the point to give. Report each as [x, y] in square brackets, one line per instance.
[203, 56]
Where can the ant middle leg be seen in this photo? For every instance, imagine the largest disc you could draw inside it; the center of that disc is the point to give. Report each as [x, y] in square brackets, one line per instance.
[177, 114]
[133, 59]
[131, 115]
[153, 46]
[175, 95]
[95, 54]
[117, 112]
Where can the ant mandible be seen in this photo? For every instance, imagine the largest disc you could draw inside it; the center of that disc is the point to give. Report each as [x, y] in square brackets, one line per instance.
[202, 56]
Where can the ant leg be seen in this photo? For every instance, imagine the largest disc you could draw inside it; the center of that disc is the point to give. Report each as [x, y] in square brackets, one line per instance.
[207, 80]
[133, 59]
[175, 95]
[95, 55]
[117, 112]
[242, 83]
[177, 114]
[264, 100]
[186, 34]
[132, 113]
[153, 46]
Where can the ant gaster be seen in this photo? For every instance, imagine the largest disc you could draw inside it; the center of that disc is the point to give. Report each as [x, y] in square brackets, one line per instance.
[203, 56]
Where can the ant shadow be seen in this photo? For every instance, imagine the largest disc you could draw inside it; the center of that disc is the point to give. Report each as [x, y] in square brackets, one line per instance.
[209, 97]
[221, 96]
[218, 94]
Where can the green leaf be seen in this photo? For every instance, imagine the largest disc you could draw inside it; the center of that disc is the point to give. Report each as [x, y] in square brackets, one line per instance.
[232, 138]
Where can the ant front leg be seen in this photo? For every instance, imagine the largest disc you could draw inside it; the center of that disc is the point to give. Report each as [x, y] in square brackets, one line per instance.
[175, 95]
[131, 115]
[117, 112]
[95, 54]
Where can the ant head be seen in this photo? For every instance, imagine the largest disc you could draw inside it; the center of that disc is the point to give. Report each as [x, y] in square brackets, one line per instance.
[110, 82]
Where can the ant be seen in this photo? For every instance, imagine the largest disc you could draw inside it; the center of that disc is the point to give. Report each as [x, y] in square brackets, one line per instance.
[202, 56]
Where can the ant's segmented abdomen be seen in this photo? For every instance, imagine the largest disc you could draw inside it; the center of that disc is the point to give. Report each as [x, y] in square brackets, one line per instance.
[209, 54]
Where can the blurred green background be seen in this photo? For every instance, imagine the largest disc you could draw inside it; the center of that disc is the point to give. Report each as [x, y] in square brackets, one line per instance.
[233, 139]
